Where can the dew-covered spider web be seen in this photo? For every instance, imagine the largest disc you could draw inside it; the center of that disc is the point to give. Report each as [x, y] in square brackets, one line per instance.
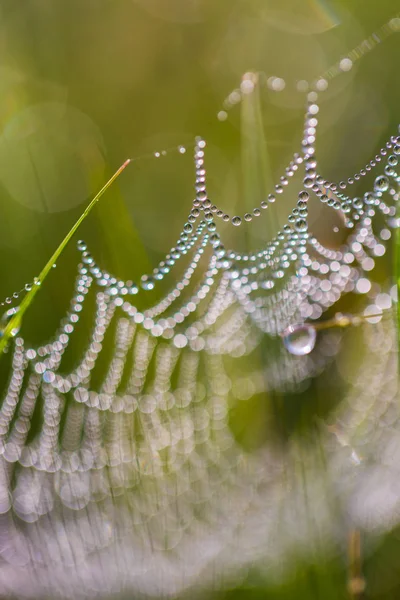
[132, 479]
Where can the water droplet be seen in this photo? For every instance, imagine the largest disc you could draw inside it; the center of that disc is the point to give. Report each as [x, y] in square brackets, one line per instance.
[345, 64]
[187, 228]
[236, 221]
[248, 217]
[222, 115]
[394, 24]
[381, 184]
[147, 282]
[37, 281]
[299, 339]
[358, 203]
[369, 198]
[301, 225]
[308, 182]
[6, 318]
[81, 246]
[304, 196]
[28, 287]
[321, 85]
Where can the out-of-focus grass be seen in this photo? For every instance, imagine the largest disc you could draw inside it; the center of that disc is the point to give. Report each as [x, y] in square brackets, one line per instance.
[257, 179]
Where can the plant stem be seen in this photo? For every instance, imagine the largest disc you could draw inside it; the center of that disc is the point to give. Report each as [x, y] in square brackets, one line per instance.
[15, 322]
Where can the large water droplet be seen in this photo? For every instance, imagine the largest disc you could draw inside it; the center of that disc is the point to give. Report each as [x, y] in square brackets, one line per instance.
[381, 184]
[299, 339]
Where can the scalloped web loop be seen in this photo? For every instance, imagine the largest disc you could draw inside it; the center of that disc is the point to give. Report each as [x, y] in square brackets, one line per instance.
[137, 483]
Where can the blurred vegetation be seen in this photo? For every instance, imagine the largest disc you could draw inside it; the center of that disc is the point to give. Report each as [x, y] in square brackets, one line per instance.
[85, 84]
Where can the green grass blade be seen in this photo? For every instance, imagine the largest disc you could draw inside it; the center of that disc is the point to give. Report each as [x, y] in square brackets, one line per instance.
[257, 178]
[15, 322]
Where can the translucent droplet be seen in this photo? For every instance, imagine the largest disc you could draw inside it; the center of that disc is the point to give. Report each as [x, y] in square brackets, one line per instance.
[37, 281]
[147, 283]
[394, 24]
[345, 64]
[28, 287]
[81, 246]
[6, 318]
[381, 184]
[369, 198]
[248, 217]
[299, 339]
[222, 115]
[187, 228]
[321, 85]
[236, 221]
[308, 182]
[304, 196]
[301, 225]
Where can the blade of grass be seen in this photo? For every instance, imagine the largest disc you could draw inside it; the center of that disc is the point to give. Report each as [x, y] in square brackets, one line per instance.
[15, 322]
[256, 167]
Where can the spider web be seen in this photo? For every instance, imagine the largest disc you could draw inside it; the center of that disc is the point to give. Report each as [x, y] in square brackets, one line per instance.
[133, 480]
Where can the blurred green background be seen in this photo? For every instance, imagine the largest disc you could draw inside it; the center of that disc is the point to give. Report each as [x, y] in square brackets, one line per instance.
[85, 84]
